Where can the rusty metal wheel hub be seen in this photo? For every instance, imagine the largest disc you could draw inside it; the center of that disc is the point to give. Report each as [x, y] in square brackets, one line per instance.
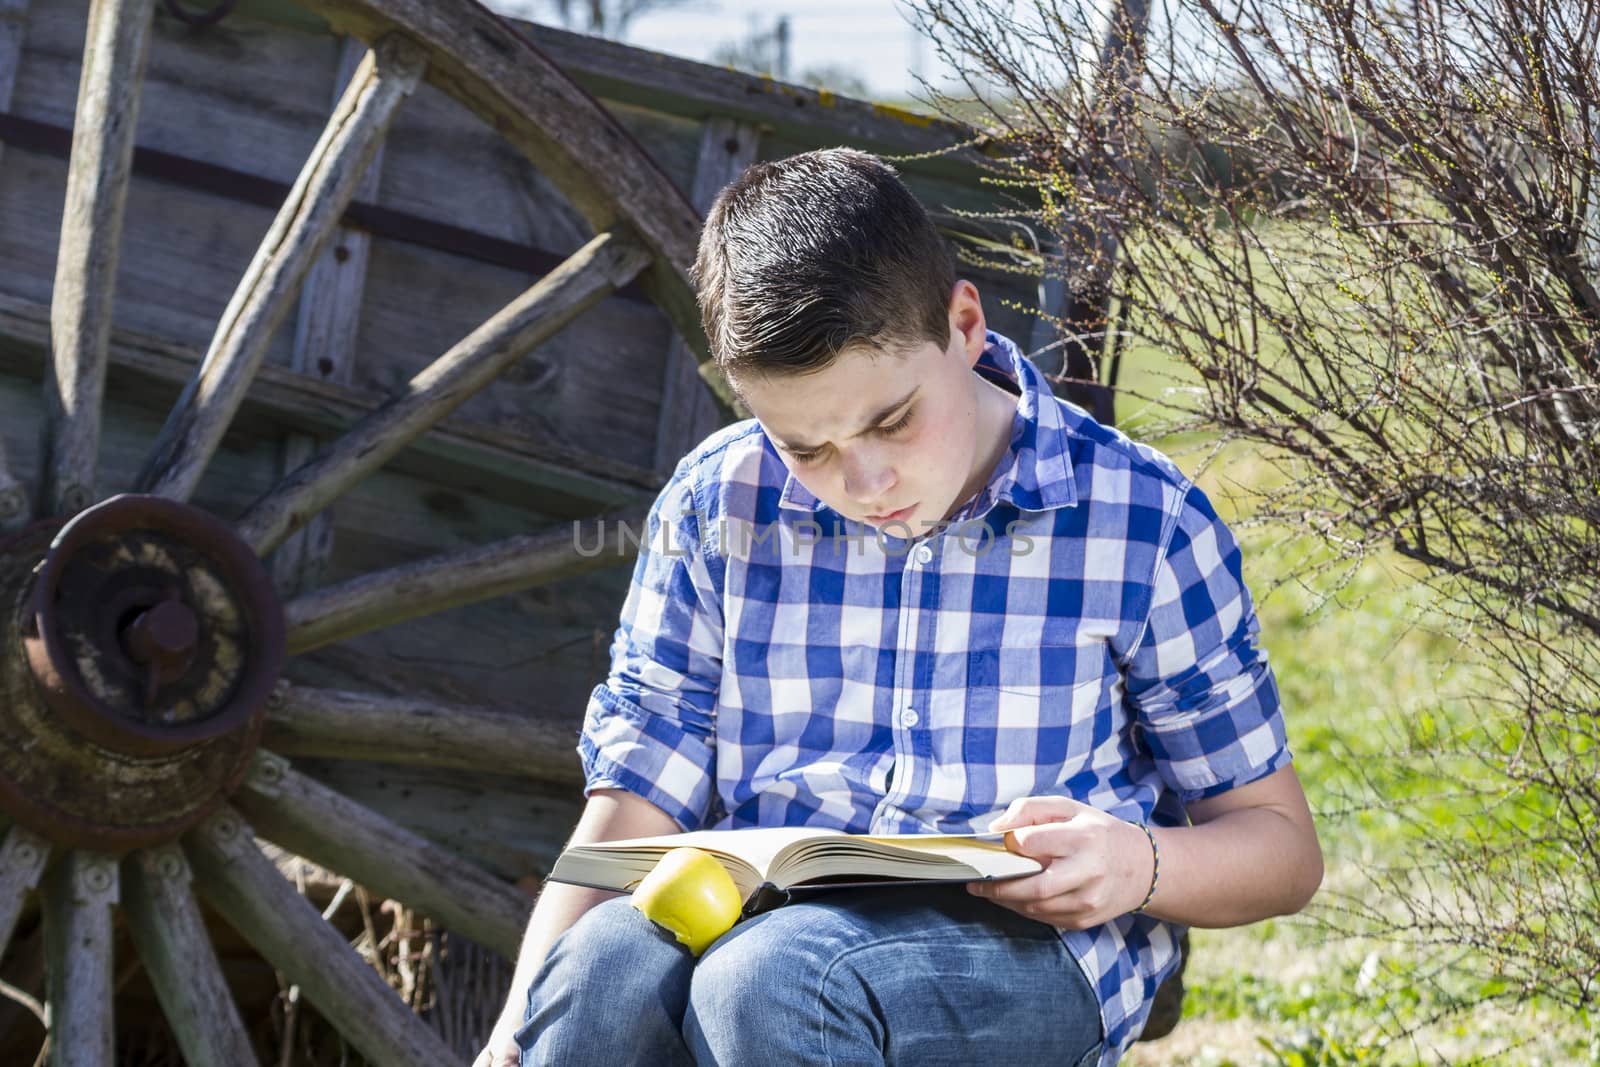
[142, 640]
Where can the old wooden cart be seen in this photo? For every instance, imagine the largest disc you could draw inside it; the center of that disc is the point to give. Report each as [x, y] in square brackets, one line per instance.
[320, 324]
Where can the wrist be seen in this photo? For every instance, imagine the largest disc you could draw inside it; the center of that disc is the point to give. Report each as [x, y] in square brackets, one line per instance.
[1146, 868]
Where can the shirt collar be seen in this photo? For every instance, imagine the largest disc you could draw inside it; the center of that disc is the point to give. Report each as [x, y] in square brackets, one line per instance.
[1035, 474]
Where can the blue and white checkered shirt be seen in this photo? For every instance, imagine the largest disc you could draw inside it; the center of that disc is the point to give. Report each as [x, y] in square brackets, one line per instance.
[1081, 629]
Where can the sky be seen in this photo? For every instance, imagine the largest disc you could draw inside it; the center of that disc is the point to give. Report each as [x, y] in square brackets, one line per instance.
[871, 38]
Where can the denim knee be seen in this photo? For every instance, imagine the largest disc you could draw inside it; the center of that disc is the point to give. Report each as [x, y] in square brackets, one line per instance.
[768, 993]
[612, 964]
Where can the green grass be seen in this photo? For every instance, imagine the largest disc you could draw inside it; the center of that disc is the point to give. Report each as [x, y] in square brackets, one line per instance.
[1362, 656]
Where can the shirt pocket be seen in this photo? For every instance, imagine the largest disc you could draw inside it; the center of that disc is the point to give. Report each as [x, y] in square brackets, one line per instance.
[1035, 714]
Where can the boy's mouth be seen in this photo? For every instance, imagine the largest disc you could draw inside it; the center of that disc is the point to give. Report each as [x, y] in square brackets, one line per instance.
[894, 516]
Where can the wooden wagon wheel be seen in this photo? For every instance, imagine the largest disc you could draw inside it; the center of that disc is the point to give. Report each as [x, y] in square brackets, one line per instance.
[141, 642]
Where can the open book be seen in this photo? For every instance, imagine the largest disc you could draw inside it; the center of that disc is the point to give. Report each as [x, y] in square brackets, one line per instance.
[768, 864]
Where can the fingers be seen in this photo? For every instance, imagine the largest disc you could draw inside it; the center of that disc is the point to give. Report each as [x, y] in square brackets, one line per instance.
[1029, 811]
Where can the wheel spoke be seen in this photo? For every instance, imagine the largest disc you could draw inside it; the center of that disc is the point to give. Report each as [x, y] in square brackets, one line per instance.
[268, 290]
[77, 898]
[22, 860]
[386, 597]
[114, 54]
[604, 265]
[311, 820]
[257, 901]
[327, 723]
[176, 951]
[13, 497]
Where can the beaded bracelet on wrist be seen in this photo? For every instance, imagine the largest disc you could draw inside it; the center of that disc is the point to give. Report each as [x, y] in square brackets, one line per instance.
[1155, 870]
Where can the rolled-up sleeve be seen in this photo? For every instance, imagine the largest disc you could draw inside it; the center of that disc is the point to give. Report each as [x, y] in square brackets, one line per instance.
[649, 728]
[1202, 689]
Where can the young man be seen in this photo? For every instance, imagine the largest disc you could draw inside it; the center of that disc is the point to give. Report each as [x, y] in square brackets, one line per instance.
[916, 594]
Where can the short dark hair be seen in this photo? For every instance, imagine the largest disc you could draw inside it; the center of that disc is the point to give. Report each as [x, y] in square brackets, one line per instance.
[803, 257]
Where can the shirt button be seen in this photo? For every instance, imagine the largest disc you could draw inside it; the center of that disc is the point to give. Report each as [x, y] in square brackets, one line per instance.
[909, 717]
[923, 554]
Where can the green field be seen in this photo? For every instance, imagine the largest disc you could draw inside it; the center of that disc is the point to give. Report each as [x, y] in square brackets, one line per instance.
[1358, 654]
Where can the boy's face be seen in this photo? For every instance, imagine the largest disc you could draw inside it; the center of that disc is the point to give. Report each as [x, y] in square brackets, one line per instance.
[899, 440]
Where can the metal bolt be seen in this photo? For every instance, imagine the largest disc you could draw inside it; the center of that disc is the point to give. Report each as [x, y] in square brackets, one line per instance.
[11, 504]
[224, 828]
[97, 877]
[25, 855]
[74, 498]
[169, 865]
[279, 695]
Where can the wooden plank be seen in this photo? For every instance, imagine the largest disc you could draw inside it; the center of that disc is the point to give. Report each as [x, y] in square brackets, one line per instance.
[77, 897]
[13, 28]
[302, 229]
[114, 54]
[727, 147]
[386, 597]
[22, 860]
[330, 724]
[13, 495]
[324, 348]
[605, 264]
[257, 901]
[171, 939]
[311, 820]
[512, 826]
[564, 478]
[670, 84]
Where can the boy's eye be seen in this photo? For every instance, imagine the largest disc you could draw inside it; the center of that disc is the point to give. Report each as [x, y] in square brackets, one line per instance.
[890, 430]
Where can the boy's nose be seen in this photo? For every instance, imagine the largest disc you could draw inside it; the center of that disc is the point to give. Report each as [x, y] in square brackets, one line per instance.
[868, 482]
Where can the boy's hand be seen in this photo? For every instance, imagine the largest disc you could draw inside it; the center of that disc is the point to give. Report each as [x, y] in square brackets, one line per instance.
[1096, 866]
[502, 1050]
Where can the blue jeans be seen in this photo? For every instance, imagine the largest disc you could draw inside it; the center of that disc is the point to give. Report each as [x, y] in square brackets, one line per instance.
[926, 976]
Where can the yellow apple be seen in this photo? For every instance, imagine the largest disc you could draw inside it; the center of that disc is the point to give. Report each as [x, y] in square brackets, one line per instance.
[689, 893]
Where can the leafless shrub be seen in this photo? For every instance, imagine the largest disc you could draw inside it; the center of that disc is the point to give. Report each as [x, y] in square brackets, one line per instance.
[1371, 234]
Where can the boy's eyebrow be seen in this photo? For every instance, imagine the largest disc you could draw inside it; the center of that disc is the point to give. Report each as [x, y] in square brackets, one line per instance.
[883, 413]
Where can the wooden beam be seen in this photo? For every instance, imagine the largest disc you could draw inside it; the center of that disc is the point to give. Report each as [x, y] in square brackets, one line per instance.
[386, 597]
[311, 820]
[114, 56]
[328, 723]
[325, 349]
[77, 897]
[690, 89]
[22, 860]
[727, 147]
[257, 901]
[150, 370]
[13, 495]
[596, 270]
[172, 942]
[13, 30]
[303, 227]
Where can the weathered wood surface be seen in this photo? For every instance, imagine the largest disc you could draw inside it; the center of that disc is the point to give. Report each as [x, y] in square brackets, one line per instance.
[453, 451]
[727, 147]
[386, 597]
[302, 229]
[669, 84]
[77, 897]
[22, 860]
[311, 820]
[175, 950]
[514, 827]
[332, 724]
[608, 262]
[13, 24]
[13, 494]
[324, 349]
[573, 141]
[114, 53]
[256, 900]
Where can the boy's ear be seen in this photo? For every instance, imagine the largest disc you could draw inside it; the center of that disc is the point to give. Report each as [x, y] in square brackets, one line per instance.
[967, 325]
